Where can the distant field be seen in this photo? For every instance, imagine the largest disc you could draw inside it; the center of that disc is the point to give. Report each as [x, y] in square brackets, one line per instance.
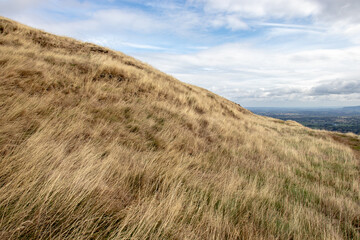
[333, 119]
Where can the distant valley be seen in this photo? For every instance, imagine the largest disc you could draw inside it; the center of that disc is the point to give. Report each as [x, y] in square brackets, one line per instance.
[343, 119]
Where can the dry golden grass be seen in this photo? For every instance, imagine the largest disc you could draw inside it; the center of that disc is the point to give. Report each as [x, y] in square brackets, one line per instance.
[97, 145]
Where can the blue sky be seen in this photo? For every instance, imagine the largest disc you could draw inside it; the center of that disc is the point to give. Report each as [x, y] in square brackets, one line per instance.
[289, 53]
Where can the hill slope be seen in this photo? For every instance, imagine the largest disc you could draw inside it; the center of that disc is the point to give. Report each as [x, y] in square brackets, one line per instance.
[95, 144]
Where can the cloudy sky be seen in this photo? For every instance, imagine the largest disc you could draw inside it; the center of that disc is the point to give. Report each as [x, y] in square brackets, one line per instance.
[255, 52]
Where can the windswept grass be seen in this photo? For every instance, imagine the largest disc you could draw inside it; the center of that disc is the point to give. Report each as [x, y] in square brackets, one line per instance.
[97, 145]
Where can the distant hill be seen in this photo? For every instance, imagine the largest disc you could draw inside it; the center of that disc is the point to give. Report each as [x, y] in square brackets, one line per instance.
[353, 108]
[95, 144]
[341, 119]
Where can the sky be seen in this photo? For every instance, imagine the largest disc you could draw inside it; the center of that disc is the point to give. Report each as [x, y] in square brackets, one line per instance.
[258, 53]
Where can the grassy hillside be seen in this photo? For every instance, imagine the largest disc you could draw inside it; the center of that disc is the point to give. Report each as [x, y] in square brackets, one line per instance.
[97, 145]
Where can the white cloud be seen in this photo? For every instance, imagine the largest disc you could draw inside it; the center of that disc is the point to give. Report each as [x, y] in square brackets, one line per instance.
[337, 16]
[262, 8]
[12, 6]
[245, 73]
[142, 46]
[109, 21]
[337, 87]
[229, 21]
[125, 19]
